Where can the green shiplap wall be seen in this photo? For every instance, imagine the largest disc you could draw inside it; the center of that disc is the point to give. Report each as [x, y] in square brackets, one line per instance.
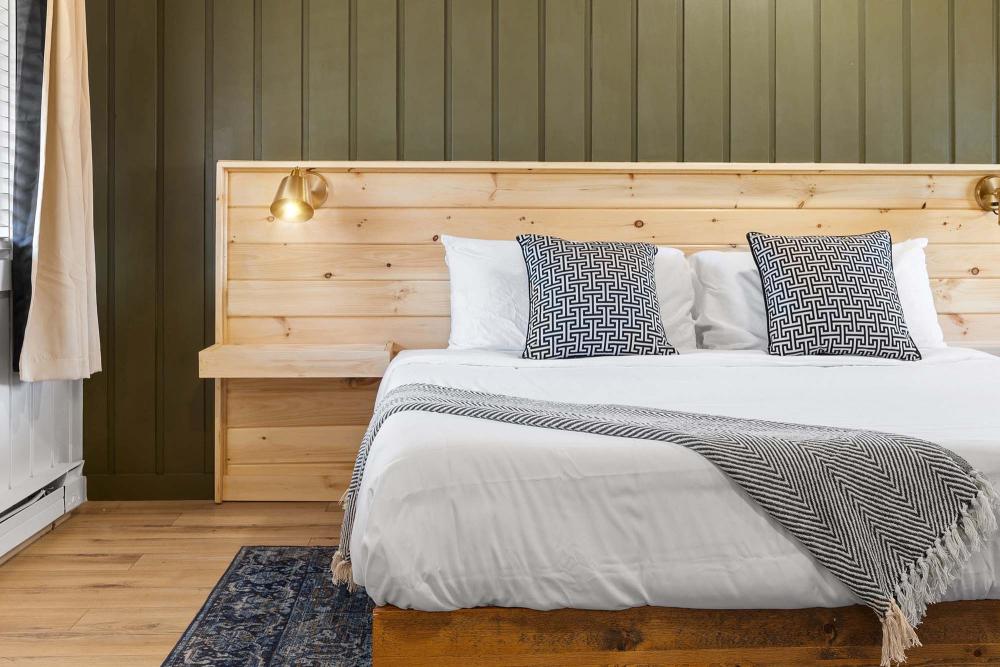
[179, 84]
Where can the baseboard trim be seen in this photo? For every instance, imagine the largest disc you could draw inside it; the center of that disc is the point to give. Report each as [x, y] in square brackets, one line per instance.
[150, 486]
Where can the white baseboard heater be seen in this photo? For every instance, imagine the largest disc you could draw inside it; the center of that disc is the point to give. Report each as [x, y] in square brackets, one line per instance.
[41, 509]
[41, 441]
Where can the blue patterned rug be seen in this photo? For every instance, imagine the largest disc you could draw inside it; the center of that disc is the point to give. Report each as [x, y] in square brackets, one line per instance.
[277, 606]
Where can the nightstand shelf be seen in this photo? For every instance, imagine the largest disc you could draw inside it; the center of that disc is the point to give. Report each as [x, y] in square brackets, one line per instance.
[295, 361]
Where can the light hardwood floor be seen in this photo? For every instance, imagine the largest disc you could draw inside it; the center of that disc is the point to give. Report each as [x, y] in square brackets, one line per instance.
[118, 582]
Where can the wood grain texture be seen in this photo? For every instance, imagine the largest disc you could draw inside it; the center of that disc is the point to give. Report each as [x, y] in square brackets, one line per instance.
[953, 633]
[393, 227]
[370, 268]
[624, 187]
[118, 583]
[307, 402]
[290, 360]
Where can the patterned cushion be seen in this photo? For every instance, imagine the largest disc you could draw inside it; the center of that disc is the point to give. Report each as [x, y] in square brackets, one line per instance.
[591, 299]
[832, 295]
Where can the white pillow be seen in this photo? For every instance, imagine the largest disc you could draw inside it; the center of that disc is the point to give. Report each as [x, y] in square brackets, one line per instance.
[909, 263]
[729, 301]
[489, 295]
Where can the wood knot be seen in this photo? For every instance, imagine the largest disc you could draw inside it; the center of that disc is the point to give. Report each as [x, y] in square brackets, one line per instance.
[270, 218]
[978, 653]
[435, 237]
[829, 628]
[974, 270]
[638, 223]
[388, 265]
[614, 639]
[328, 275]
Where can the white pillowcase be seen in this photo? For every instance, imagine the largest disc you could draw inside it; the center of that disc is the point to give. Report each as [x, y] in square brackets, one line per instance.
[729, 301]
[489, 295]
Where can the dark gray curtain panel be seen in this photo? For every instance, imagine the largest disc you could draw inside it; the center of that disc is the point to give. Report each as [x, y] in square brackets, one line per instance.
[31, 17]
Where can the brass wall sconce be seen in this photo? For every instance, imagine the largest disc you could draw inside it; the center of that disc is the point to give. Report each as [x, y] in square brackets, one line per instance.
[988, 194]
[299, 195]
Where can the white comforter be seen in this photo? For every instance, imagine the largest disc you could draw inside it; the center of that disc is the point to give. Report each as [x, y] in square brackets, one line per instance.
[460, 512]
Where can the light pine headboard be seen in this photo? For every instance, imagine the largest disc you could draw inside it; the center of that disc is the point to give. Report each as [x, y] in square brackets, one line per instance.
[368, 268]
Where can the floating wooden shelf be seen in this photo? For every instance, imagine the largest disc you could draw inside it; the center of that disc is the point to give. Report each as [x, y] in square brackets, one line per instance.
[282, 360]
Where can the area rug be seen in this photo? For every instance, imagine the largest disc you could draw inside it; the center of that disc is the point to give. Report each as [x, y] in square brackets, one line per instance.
[277, 606]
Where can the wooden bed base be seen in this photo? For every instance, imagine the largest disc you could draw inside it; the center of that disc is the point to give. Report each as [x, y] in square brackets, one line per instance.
[954, 633]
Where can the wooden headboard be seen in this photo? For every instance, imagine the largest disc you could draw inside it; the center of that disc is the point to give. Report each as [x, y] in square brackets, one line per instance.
[368, 268]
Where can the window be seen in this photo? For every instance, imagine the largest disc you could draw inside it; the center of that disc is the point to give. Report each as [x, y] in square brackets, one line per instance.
[8, 72]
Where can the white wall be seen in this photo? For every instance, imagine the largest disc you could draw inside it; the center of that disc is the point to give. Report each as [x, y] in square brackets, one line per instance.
[41, 426]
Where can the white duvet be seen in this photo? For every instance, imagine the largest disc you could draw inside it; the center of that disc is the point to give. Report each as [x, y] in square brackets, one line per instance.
[460, 512]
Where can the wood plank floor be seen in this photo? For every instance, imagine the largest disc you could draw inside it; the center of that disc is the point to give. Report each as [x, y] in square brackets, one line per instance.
[118, 582]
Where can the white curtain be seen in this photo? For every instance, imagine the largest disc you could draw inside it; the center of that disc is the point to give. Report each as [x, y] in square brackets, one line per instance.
[61, 339]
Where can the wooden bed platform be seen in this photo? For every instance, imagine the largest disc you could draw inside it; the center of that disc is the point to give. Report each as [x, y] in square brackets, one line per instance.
[954, 633]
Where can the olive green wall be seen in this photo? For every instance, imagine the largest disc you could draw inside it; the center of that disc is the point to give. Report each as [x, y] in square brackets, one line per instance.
[179, 84]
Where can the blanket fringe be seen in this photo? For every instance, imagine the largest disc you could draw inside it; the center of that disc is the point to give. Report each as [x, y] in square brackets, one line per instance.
[927, 578]
[897, 636]
[341, 570]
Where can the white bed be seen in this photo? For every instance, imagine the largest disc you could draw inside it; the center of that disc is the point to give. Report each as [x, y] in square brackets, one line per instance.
[458, 512]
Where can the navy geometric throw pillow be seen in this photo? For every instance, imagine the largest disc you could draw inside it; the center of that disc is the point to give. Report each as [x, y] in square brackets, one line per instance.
[591, 299]
[832, 295]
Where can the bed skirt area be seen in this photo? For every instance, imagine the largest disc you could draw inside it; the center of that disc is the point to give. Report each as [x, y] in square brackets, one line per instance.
[953, 633]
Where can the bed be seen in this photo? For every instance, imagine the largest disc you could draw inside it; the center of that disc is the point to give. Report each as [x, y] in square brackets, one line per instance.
[486, 543]
[458, 513]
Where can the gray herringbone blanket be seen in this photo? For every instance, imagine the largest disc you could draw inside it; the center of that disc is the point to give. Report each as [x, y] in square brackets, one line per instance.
[892, 517]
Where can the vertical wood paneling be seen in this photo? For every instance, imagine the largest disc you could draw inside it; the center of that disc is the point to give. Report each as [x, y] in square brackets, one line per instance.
[566, 97]
[135, 246]
[975, 81]
[375, 79]
[884, 84]
[327, 59]
[840, 81]
[280, 122]
[751, 58]
[612, 80]
[422, 79]
[517, 80]
[232, 80]
[471, 66]
[97, 390]
[930, 97]
[796, 77]
[179, 84]
[660, 80]
[930, 75]
[182, 394]
[706, 81]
